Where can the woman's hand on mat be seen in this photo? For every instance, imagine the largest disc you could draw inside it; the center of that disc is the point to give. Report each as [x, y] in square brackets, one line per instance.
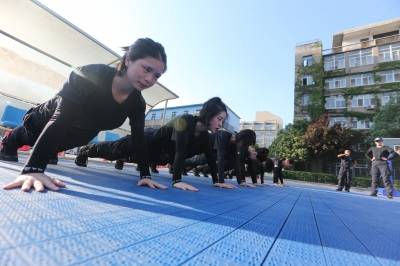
[184, 186]
[39, 181]
[150, 183]
[224, 185]
[245, 184]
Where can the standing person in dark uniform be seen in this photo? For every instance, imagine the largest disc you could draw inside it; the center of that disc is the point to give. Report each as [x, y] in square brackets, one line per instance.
[181, 138]
[94, 98]
[264, 164]
[379, 168]
[345, 174]
[280, 164]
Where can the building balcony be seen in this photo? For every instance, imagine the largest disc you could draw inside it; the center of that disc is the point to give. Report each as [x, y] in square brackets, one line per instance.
[362, 45]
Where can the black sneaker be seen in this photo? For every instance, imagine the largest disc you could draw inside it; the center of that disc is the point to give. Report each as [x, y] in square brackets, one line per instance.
[373, 194]
[154, 170]
[339, 189]
[81, 160]
[119, 164]
[347, 190]
[389, 196]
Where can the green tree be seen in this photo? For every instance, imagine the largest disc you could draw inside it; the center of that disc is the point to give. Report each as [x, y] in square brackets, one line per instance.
[290, 142]
[387, 120]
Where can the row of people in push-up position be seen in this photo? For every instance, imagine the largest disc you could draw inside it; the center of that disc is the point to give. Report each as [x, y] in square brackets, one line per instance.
[100, 97]
[220, 153]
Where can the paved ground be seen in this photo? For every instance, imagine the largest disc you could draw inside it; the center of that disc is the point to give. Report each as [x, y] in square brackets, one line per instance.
[103, 218]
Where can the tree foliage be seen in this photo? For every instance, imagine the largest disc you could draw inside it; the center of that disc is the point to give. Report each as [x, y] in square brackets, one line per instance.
[290, 142]
[324, 141]
[387, 120]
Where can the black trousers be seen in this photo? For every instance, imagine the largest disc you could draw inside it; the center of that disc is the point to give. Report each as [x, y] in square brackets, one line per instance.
[381, 169]
[121, 149]
[37, 131]
[277, 175]
[344, 178]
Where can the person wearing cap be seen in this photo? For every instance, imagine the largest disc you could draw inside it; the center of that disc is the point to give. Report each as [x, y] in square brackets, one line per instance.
[378, 156]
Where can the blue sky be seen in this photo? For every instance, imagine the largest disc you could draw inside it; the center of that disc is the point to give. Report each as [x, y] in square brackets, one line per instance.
[242, 51]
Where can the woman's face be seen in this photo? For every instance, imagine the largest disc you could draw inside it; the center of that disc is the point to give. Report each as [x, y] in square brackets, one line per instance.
[143, 73]
[252, 152]
[217, 121]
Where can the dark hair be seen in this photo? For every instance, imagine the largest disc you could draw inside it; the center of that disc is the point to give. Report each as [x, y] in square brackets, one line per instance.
[247, 136]
[211, 108]
[262, 154]
[143, 47]
[244, 139]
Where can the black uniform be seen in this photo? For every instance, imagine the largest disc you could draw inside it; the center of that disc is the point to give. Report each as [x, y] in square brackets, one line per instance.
[379, 167]
[172, 143]
[345, 174]
[264, 164]
[234, 155]
[277, 172]
[83, 107]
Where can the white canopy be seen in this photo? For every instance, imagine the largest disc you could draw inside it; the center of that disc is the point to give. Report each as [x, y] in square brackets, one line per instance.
[47, 43]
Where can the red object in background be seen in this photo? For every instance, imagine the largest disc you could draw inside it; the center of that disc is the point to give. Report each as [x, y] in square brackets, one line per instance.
[23, 148]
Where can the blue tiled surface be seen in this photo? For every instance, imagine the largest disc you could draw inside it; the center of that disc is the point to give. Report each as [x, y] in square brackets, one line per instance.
[103, 218]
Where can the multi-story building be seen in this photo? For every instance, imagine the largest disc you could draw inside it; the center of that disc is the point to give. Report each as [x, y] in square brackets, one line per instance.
[353, 79]
[266, 126]
[155, 118]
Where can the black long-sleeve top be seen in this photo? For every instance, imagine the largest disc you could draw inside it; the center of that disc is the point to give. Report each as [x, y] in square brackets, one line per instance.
[178, 138]
[88, 104]
[236, 151]
[226, 151]
[378, 153]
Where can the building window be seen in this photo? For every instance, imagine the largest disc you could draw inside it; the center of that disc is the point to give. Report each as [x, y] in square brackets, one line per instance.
[385, 34]
[366, 100]
[258, 126]
[335, 83]
[390, 76]
[361, 124]
[334, 62]
[335, 102]
[173, 114]
[361, 58]
[305, 100]
[185, 112]
[389, 52]
[338, 120]
[153, 116]
[361, 80]
[308, 60]
[387, 97]
[308, 80]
